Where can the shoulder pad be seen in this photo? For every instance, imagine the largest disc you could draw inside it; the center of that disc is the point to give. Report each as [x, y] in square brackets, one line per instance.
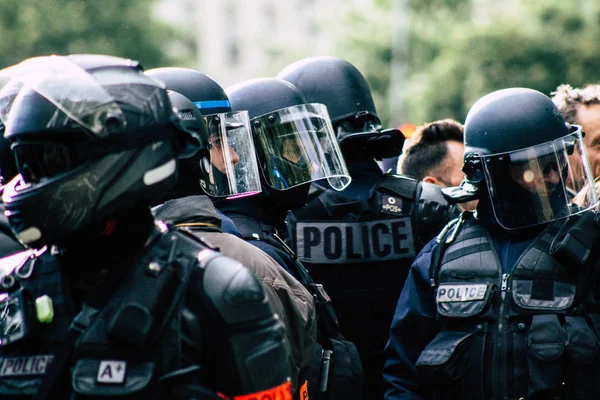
[233, 290]
[401, 185]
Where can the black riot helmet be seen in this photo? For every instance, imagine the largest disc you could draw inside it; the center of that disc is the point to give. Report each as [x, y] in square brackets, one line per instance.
[206, 94]
[294, 139]
[519, 149]
[195, 164]
[342, 88]
[234, 170]
[92, 136]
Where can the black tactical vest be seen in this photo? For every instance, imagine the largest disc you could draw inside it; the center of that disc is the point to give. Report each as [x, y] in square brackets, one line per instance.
[530, 333]
[361, 252]
[145, 342]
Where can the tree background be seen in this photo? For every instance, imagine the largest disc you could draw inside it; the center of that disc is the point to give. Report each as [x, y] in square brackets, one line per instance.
[117, 27]
[459, 50]
[424, 59]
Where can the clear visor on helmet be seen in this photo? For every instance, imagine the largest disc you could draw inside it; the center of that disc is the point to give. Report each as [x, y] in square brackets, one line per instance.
[297, 145]
[81, 97]
[234, 169]
[538, 184]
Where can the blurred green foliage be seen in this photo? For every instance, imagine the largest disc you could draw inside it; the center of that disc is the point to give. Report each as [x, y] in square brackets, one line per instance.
[116, 27]
[459, 50]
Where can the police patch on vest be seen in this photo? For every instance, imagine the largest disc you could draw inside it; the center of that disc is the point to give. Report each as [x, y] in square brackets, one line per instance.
[22, 366]
[354, 242]
[111, 372]
[448, 293]
[391, 205]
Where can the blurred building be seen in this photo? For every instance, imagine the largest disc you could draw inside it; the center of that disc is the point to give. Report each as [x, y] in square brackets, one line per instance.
[233, 40]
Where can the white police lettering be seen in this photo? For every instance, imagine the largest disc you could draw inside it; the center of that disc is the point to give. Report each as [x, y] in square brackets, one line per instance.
[355, 242]
[22, 366]
[460, 292]
[111, 371]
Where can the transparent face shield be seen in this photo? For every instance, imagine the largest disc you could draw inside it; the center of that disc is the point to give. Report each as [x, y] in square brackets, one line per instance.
[539, 184]
[297, 145]
[234, 169]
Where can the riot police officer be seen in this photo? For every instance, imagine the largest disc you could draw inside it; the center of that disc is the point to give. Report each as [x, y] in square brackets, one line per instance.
[295, 145]
[230, 143]
[115, 304]
[360, 242]
[503, 304]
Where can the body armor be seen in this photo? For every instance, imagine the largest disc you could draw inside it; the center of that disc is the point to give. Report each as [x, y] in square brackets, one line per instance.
[530, 332]
[160, 334]
[361, 251]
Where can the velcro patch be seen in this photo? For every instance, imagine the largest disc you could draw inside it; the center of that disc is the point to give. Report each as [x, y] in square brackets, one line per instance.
[391, 205]
[281, 392]
[111, 371]
[331, 242]
[22, 366]
[448, 293]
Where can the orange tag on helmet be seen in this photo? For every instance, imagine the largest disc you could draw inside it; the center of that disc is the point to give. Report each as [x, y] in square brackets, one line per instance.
[281, 392]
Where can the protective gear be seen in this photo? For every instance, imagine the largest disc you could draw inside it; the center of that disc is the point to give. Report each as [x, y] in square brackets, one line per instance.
[291, 301]
[163, 354]
[336, 371]
[8, 169]
[295, 146]
[532, 162]
[340, 86]
[234, 169]
[115, 147]
[294, 140]
[133, 297]
[334, 82]
[375, 227]
[349, 244]
[192, 121]
[525, 323]
[197, 168]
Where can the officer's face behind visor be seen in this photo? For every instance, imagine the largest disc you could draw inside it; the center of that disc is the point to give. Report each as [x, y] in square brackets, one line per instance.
[537, 184]
[297, 146]
[234, 169]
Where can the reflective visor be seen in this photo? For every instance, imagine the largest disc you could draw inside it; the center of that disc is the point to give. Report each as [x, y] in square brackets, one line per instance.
[234, 169]
[536, 185]
[297, 145]
[39, 160]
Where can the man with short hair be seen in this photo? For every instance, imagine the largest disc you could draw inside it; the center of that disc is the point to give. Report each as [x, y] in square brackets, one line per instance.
[436, 155]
